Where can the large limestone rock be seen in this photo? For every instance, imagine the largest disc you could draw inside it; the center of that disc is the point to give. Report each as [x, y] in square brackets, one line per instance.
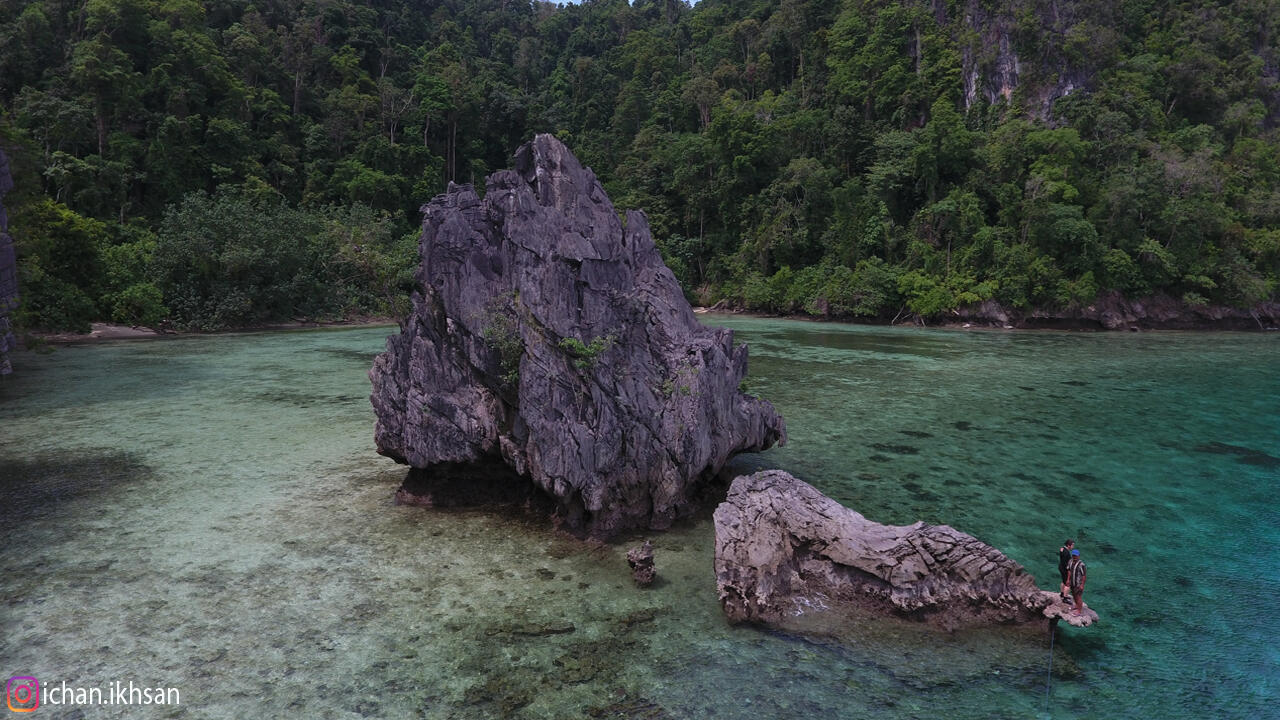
[549, 343]
[782, 548]
[8, 272]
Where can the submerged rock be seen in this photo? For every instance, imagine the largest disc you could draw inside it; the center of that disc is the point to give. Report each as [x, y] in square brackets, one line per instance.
[782, 547]
[640, 558]
[8, 272]
[549, 337]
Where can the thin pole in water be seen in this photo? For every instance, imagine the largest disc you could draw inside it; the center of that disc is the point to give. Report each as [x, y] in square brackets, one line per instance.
[1048, 678]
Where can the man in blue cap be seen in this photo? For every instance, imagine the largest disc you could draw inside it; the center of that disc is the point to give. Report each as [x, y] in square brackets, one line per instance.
[1076, 576]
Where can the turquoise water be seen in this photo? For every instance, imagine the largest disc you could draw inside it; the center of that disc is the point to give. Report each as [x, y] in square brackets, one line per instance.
[208, 514]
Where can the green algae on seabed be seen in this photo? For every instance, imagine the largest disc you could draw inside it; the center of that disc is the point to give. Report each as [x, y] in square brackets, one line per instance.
[221, 524]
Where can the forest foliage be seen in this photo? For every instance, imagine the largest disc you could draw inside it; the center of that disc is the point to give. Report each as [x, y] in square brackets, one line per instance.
[220, 164]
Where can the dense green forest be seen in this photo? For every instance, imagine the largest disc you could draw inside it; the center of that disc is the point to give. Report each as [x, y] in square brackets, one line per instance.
[228, 162]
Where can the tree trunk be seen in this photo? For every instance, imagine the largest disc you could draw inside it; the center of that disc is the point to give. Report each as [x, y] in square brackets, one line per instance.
[453, 147]
[101, 120]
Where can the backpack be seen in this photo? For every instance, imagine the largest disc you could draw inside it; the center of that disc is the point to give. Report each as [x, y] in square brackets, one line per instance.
[1077, 576]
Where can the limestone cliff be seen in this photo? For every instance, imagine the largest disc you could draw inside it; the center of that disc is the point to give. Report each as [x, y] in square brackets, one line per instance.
[549, 342]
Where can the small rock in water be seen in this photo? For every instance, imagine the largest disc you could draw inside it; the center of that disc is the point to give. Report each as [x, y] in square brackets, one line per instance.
[640, 558]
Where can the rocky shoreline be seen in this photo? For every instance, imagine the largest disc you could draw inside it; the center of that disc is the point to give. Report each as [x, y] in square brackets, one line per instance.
[101, 331]
[1113, 311]
[1109, 312]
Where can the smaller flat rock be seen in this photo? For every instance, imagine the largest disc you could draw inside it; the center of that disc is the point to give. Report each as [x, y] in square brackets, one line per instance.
[783, 548]
[1066, 612]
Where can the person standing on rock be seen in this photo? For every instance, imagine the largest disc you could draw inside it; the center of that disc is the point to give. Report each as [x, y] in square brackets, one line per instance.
[1064, 559]
[1076, 575]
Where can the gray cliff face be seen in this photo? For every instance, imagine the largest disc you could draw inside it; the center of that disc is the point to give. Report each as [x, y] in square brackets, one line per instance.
[782, 547]
[991, 68]
[8, 272]
[549, 338]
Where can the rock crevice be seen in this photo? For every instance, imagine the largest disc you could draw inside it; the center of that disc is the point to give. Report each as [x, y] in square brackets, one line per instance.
[547, 334]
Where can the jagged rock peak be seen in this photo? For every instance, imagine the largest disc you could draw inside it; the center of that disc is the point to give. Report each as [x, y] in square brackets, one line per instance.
[783, 548]
[548, 343]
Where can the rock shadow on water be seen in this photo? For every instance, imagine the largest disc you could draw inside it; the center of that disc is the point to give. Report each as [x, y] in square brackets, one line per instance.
[486, 486]
[38, 484]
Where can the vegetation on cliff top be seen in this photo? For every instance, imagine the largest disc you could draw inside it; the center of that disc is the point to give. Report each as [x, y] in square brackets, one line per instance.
[220, 164]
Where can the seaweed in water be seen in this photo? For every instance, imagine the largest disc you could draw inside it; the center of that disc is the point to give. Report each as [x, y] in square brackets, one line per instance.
[38, 482]
[298, 399]
[630, 708]
[963, 425]
[916, 433]
[1248, 456]
[896, 449]
[360, 357]
[919, 492]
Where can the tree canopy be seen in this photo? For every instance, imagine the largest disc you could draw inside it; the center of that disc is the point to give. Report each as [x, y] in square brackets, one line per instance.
[220, 164]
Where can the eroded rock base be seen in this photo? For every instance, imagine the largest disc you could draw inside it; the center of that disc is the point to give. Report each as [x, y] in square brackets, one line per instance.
[469, 485]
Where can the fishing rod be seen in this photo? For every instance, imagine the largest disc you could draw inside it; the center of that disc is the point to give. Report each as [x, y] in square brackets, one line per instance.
[1048, 678]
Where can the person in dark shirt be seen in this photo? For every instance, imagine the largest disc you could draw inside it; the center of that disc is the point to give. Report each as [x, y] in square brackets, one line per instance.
[1064, 559]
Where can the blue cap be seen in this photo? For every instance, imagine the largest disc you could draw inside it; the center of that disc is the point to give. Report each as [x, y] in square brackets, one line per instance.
[1075, 552]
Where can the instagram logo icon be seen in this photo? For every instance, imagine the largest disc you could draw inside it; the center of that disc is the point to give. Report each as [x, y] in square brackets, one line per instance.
[23, 693]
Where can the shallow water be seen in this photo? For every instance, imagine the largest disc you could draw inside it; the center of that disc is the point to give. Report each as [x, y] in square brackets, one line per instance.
[208, 514]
